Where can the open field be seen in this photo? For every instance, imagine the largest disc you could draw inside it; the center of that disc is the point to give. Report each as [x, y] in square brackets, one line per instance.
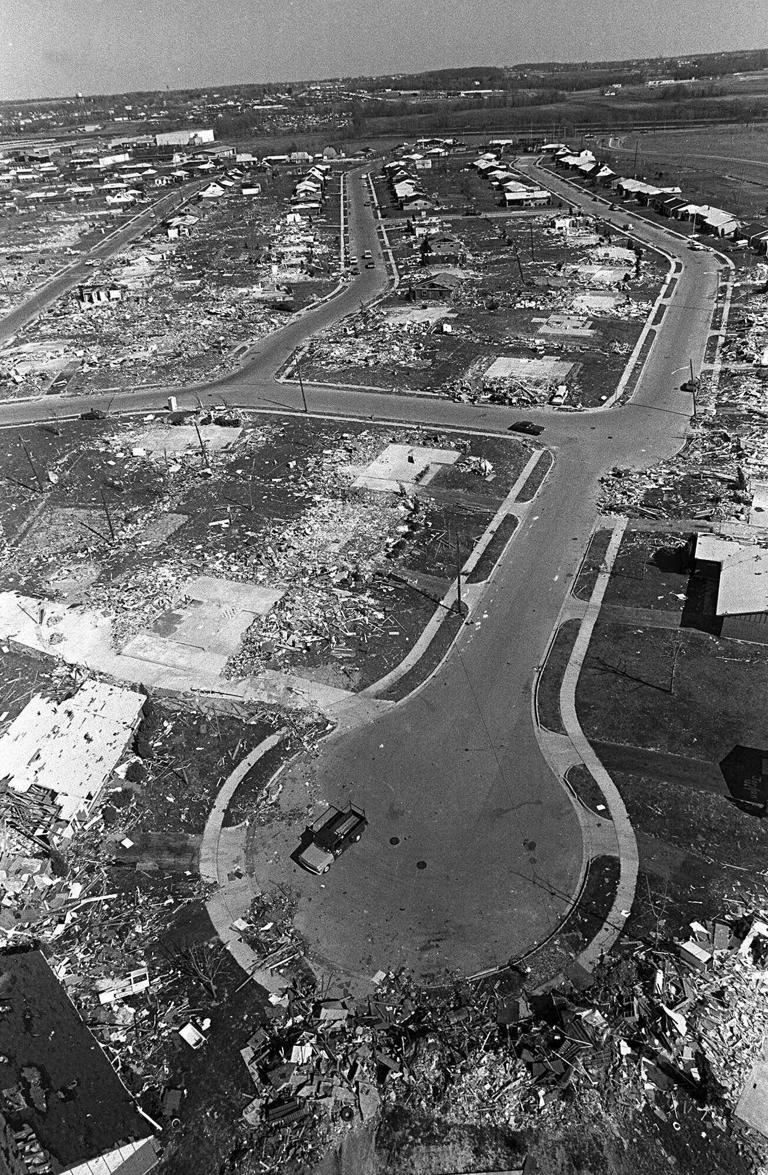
[722, 166]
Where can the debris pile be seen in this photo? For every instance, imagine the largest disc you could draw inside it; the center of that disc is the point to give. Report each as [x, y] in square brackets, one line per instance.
[370, 339]
[674, 1027]
[168, 311]
[707, 481]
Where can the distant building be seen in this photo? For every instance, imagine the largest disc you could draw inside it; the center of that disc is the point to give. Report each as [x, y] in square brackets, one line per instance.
[186, 138]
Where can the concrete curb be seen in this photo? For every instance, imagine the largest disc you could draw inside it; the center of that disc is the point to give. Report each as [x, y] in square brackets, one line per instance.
[222, 863]
[615, 836]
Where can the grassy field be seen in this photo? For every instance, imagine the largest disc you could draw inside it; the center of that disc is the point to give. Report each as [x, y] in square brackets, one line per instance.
[677, 717]
[724, 166]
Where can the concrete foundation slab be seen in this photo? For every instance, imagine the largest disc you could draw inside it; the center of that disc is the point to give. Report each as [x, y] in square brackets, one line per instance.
[430, 314]
[81, 636]
[404, 465]
[247, 597]
[63, 528]
[148, 646]
[179, 438]
[205, 626]
[160, 529]
[595, 303]
[603, 275]
[567, 324]
[545, 370]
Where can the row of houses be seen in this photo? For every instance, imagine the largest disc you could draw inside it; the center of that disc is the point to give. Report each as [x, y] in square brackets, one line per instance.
[667, 201]
[308, 192]
[513, 193]
[405, 187]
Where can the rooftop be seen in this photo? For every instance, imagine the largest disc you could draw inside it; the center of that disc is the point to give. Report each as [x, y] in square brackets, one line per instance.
[53, 1074]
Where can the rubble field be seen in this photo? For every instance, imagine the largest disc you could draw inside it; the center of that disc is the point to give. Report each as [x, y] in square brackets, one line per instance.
[545, 309]
[183, 303]
[645, 1063]
[711, 479]
[249, 548]
[119, 909]
[40, 239]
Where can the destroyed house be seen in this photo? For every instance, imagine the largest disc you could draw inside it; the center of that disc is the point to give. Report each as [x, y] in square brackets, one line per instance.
[57, 756]
[60, 1099]
[88, 296]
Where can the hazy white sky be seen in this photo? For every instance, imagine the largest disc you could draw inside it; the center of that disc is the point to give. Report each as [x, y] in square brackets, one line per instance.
[56, 47]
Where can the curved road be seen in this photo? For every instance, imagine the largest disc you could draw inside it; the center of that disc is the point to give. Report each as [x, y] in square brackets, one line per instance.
[473, 851]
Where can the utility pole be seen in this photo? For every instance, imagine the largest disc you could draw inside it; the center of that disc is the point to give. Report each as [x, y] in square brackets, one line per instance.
[693, 389]
[202, 446]
[32, 465]
[301, 385]
[109, 516]
[458, 577]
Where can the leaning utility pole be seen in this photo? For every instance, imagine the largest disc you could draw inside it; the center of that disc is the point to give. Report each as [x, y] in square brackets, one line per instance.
[301, 385]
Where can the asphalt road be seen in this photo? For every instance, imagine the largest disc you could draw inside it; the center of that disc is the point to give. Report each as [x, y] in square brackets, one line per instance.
[473, 849]
[488, 850]
[79, 273]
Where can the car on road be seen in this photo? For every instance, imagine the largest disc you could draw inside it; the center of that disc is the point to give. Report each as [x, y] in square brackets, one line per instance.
[526, 426]
[696, 246]
[626, 226]
[331, 834]
[93, 414]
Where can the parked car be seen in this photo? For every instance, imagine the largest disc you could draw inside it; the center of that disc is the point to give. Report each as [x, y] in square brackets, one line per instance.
[331, 835]
[93, 414]
[369, 265]
[526, 426]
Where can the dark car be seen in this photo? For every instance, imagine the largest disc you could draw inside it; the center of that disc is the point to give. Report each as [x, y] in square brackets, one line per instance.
[369, 265]
[331, 834]
[93, 414]
[526, 426]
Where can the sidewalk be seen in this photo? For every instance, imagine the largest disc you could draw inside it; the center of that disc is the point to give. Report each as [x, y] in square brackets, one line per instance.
[603, 837]
[222, 863]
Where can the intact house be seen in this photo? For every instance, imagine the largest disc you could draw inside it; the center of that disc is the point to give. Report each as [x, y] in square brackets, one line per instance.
[740, 568]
